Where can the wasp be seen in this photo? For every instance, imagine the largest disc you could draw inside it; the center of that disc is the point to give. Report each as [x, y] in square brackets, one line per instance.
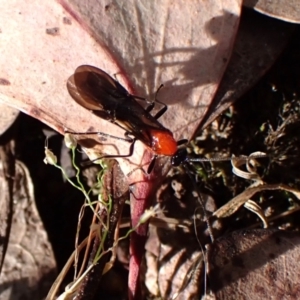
[105, 97]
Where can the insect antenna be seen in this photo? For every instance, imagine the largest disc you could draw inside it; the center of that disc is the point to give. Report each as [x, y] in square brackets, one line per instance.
[181, 159]
[200, 201]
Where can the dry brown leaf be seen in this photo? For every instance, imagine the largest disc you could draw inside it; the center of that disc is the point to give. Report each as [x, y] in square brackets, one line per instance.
[286, 10]
[177, 272]
[7, 173]
[247, 65]
[42, 44]
[29, 265]
[8, 116]
[234, 204]
[147, 42]
[255, 264]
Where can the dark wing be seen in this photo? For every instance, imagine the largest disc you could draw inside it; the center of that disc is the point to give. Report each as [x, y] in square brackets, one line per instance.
[94, 89]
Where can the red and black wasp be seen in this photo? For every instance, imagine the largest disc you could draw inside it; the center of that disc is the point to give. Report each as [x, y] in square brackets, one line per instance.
[98, 92]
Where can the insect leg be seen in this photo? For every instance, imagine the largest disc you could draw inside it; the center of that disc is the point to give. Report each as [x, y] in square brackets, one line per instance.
[151, 103]
[201, 202]
[131, 148]
[152, 164]
[164, 108]
[182, 142]
[126, 139]
[150, 107]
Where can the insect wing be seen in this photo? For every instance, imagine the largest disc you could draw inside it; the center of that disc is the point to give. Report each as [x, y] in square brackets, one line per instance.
[80, 97]
[94, 89]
